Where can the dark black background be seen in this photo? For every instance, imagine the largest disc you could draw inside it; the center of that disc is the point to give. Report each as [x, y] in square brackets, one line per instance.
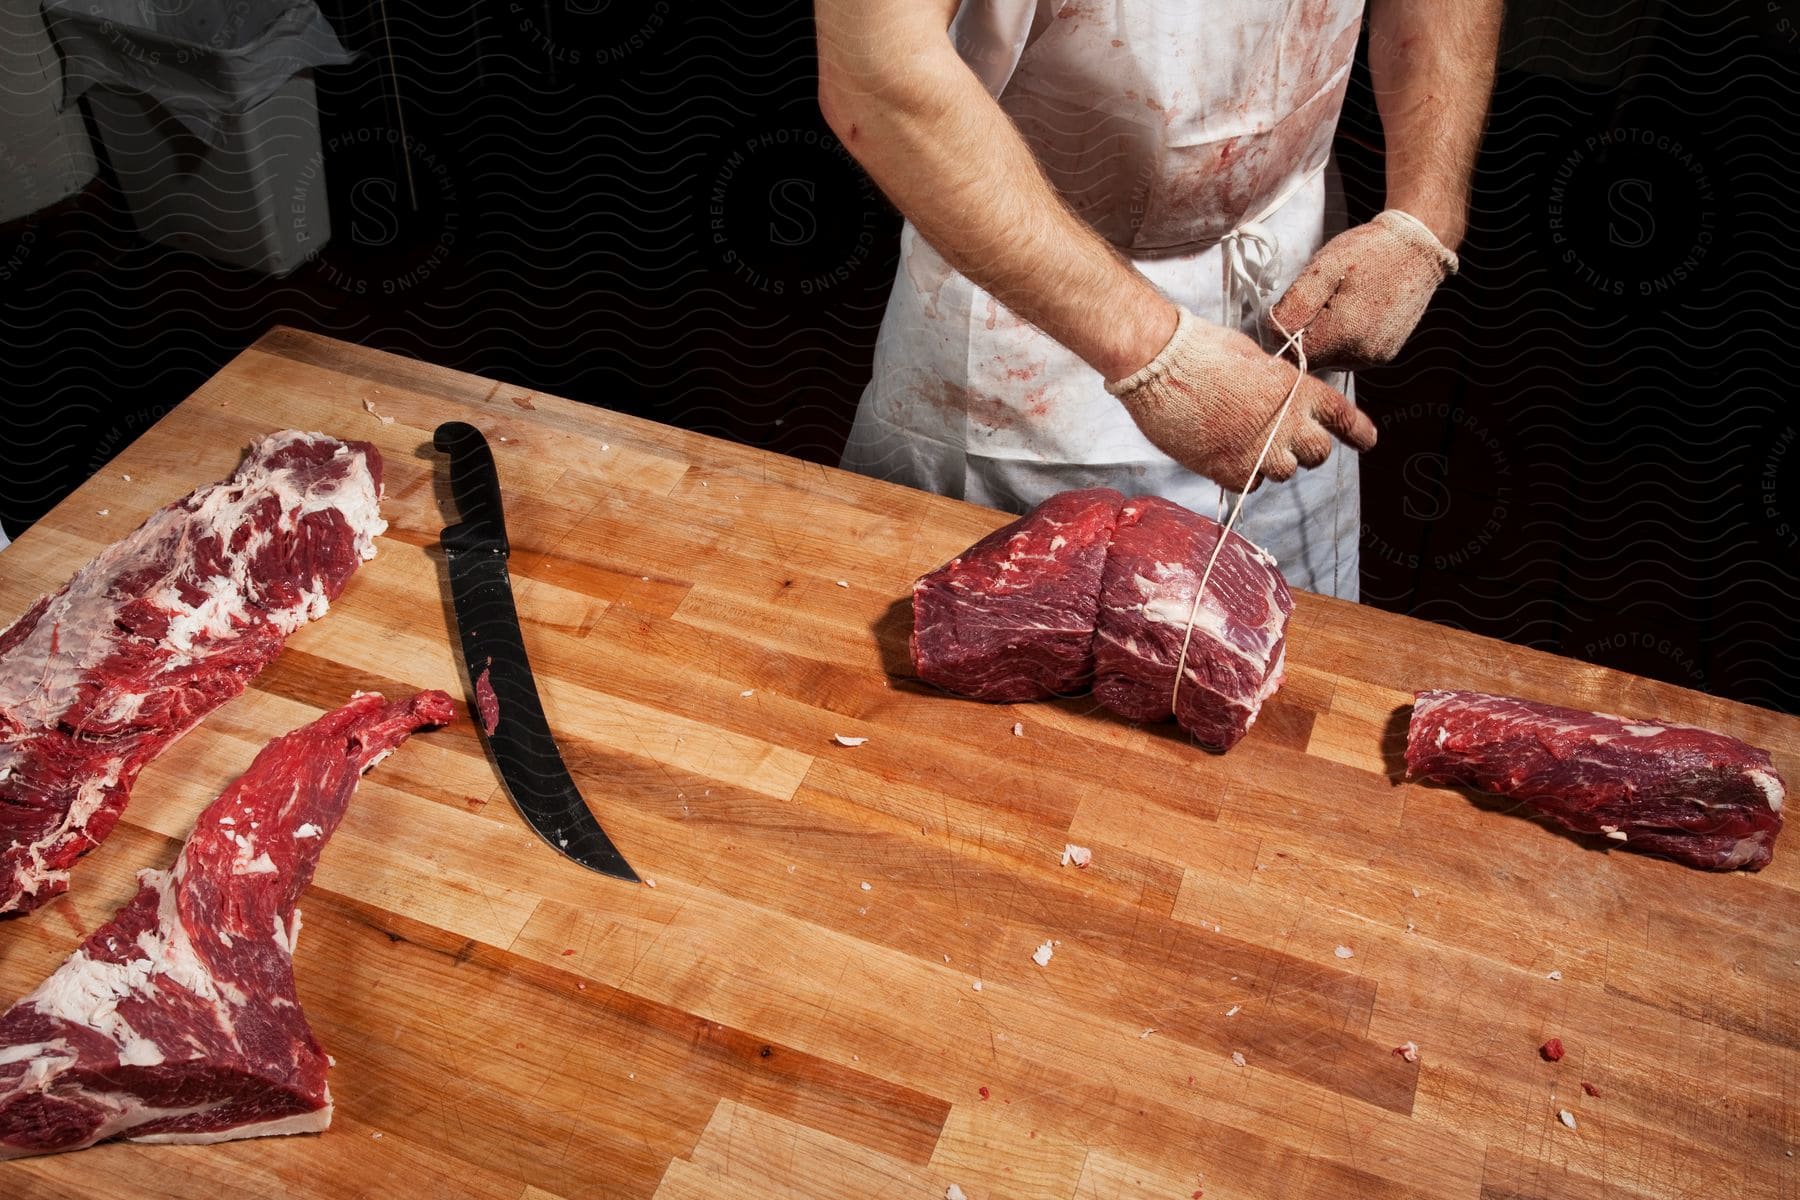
[1589, 447]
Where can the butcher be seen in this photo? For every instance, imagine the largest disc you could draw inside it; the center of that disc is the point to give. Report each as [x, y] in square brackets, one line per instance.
[1119, 242]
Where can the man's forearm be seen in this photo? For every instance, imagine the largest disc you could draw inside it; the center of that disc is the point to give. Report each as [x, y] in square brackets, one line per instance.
[1432, 66]
[931, 137]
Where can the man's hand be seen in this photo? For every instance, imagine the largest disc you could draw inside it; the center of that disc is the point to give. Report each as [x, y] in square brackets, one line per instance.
[1363, 293]
[1432, 66]
[1208, 399]
[1431, 63]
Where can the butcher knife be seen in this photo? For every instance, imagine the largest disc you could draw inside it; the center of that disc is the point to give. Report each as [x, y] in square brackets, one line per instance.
[493, 650]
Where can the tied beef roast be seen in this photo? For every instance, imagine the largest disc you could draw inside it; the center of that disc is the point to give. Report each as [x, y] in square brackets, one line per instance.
[1238, 648]
[177, 1020]
[158, 630]
[1698, 797]
[1012, 617]
[1089, 589]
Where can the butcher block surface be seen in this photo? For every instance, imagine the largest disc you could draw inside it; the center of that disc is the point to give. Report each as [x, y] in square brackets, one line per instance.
[792, 1010]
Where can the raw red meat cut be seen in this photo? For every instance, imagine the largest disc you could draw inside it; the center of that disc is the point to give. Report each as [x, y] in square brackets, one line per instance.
[161, 628]
[1088, 588]
[487, 705]
[1236, 656]
[177, 1020]
[1699, 797]
[1012, 617]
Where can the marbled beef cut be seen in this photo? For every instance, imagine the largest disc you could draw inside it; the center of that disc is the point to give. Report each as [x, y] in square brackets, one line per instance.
[1089, 589]
[1698, 797]
[1012, 617]
[1238, 650]
[161, 628]
[177, 1021]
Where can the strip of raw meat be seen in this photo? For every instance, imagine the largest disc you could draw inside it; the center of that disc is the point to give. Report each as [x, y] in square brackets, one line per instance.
[177, 1020]
[161, 628]
[1699, 797]
[1012, 617]
[487, 705]
[1237, 654]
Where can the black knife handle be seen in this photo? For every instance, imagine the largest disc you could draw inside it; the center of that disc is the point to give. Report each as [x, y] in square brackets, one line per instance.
[475, 486]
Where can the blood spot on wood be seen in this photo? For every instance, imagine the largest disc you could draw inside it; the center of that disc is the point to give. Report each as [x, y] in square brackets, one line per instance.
[71, 918]
[1552, 1050]
[983, 1092]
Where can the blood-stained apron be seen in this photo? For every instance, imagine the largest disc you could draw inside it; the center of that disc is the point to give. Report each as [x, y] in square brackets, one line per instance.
[1193, 135]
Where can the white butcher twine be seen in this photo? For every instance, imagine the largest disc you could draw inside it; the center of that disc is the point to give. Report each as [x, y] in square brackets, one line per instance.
[1249, 279]
[1294, 339]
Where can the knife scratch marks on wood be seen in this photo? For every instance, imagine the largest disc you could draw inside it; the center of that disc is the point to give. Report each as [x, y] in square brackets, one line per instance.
[522, 587]
[832, 993]
[655, 939]
[568, 1142]
[494, 913]
[660, 765]
[556, 1072]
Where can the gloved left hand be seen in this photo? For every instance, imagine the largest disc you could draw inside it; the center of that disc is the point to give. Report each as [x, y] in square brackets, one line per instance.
[1363, 293]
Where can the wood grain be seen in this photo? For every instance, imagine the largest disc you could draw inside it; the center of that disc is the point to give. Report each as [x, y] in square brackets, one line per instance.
[760, 1024]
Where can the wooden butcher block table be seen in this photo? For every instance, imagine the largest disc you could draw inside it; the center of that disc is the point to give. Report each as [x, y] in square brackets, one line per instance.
[830, 991]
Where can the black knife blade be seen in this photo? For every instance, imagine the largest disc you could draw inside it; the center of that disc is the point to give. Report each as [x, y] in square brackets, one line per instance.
[493, 646]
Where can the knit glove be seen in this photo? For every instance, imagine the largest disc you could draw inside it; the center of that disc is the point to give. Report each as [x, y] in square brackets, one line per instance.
[1363, 293]
[1208, 399]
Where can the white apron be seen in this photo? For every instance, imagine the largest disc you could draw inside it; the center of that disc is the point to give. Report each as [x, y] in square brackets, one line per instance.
[1169, 126]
